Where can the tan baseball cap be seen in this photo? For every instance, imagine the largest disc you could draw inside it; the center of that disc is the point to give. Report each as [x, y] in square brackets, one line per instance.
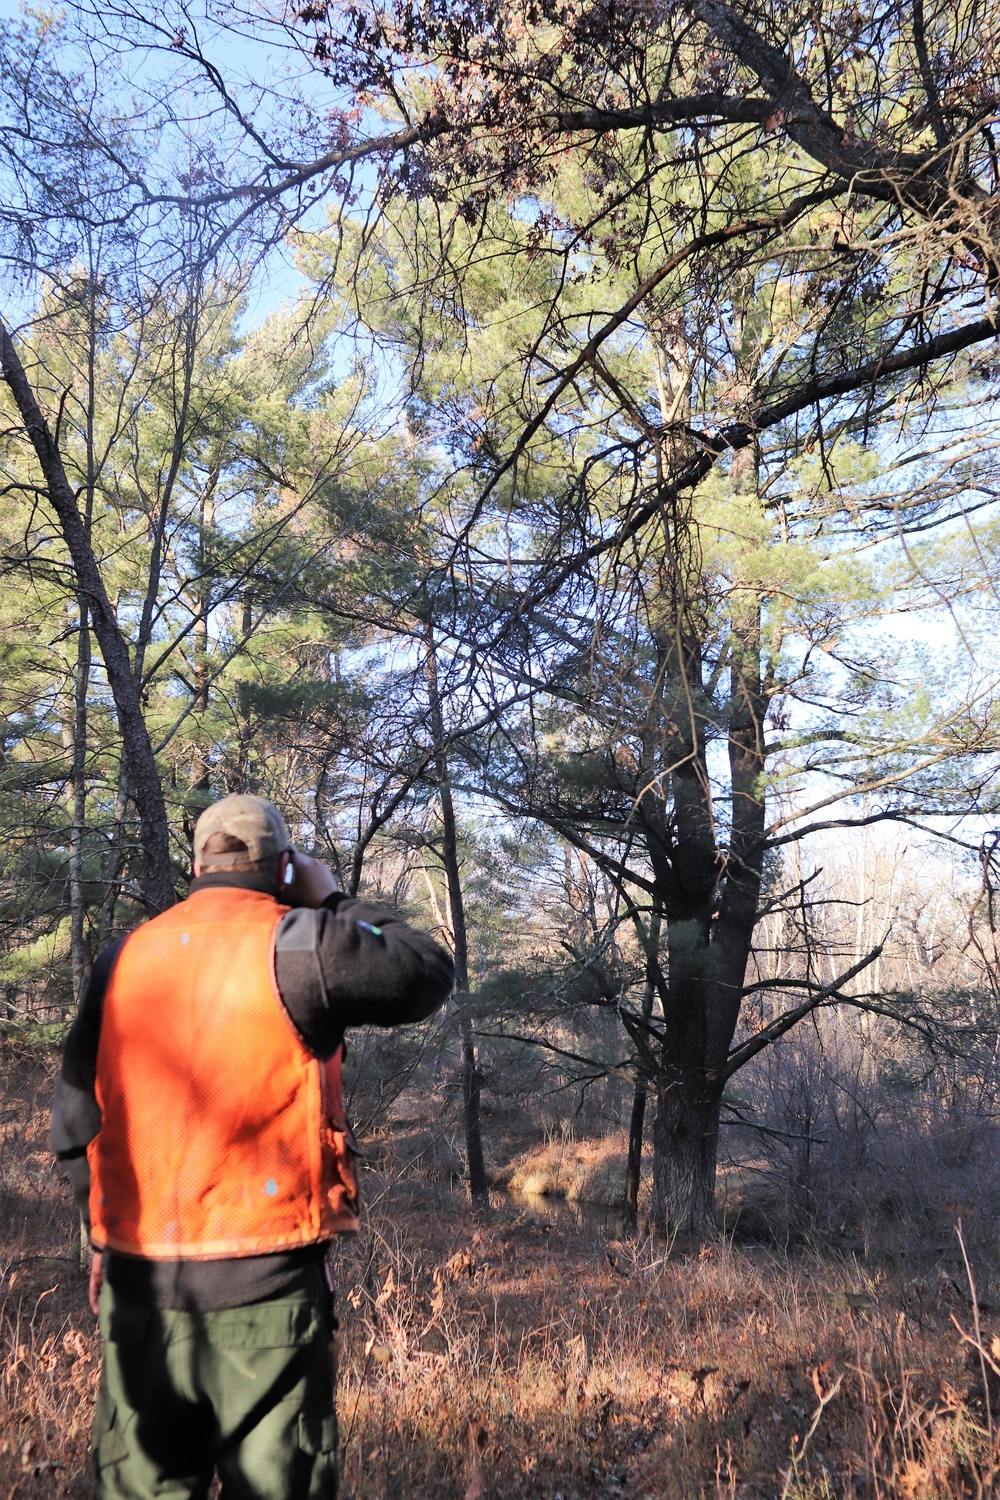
[257, 823]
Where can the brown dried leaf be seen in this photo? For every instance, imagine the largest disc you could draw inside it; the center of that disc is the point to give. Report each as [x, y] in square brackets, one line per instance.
[388, 1290]
[462, 1263]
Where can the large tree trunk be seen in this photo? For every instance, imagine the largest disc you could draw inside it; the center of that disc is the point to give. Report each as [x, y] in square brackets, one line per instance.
[686, 865]
[685, 1149]
[709, 895]
[146, 788]
[685, 1130]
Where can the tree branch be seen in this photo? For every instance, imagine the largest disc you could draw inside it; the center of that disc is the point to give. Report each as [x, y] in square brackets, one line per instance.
[742, 1054]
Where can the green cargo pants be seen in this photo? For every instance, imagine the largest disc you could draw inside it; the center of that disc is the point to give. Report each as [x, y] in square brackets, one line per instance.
[246, 1393]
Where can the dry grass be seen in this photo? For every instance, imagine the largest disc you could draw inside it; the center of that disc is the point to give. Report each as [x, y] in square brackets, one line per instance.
[500, 1355]
[523, 1357]
[581, 1171]
[48, 1349]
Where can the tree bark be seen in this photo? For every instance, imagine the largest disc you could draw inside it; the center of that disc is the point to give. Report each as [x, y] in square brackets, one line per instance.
[687, 1109]
[685, 1151]
[157, 885]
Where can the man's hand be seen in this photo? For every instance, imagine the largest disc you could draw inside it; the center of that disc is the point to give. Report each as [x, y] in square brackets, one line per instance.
[96, 1278]
[314, 880]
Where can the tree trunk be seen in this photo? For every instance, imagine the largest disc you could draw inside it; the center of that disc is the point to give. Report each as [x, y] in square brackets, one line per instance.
[637, 1121]
[154, 834]
[244, 729]
[709, 895]
[478, 1184]
[116, 858]
[202, 603]
[633, 1166]
[479, 1188]
[685, 1129]
[685, 1150]
[80, 956]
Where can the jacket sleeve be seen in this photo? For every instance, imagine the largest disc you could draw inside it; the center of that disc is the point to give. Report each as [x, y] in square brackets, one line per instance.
[352, 964]
[76, 1116]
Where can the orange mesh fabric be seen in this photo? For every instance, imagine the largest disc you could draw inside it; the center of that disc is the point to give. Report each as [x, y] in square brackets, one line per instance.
[221, 1135]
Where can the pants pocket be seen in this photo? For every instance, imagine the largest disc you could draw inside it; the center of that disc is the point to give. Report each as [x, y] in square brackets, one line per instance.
[318, 1441]
[109, 1445]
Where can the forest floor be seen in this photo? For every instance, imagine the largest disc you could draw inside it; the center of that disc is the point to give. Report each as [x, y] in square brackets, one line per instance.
[530, 1350]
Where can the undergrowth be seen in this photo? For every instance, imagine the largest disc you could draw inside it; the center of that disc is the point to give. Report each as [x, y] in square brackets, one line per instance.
[514, 1353]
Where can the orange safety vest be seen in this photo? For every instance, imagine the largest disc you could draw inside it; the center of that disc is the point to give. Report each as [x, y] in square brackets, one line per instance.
[221, 1134]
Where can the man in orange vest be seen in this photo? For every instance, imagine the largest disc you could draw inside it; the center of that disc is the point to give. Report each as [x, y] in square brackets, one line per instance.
[199, 1115]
